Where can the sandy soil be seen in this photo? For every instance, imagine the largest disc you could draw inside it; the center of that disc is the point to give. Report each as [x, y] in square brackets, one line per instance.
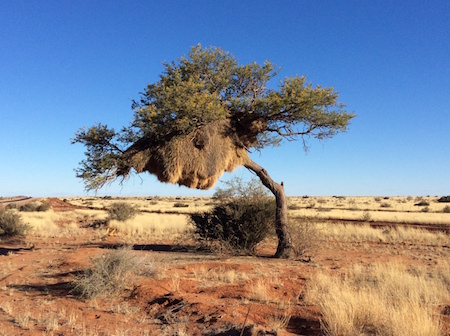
[184, 297]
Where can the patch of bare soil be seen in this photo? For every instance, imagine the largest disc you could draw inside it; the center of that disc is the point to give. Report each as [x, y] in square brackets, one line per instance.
[59, 205]
[191, 292]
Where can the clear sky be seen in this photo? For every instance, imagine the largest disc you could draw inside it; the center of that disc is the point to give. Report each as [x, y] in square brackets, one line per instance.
[67, 64]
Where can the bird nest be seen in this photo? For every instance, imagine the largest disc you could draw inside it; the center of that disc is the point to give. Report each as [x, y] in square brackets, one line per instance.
[195, 160]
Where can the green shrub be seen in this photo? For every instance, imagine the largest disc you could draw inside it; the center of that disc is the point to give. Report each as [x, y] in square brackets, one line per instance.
[241, 223]
[122, 211]
[11, 224]
[110, 274]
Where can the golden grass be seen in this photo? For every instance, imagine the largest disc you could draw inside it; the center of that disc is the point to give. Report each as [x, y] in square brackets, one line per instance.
[384, 299]
[399, 209]
[158, 226]
[392, 209]
[360, 233]
[151, 204]
[43, 224]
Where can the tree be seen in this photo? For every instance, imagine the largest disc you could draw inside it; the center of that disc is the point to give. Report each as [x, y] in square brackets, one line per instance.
[203, 117]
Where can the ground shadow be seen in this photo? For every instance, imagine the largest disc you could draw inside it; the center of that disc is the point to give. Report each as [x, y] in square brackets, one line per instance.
[302, 326]
[61, 289]
[7, 250]
[248, 331]
[153, 247]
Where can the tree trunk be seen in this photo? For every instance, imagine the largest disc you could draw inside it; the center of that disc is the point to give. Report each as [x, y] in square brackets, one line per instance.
[284, 249]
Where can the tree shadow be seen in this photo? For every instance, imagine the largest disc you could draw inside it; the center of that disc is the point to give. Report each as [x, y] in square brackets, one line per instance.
[175, 248]
[7, 250]
[61, 289]
[302, 326]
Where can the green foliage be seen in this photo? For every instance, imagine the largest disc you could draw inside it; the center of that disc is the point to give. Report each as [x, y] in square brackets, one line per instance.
[11, 224]
[122, 211]
[210, 86]
[110, 274]
[241, 223]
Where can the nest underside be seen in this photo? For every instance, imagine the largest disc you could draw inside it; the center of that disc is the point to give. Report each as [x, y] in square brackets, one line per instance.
[195, 160]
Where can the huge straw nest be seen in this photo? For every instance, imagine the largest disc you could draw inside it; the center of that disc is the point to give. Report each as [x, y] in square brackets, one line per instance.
[195, 160]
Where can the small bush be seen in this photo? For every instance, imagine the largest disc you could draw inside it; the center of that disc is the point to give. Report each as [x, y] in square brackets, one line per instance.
[444, 199]
[366, 217]
[385, 205]
[294, 207]
[422, 203]
[446, 209]
[304, 235]
[425, 209]
[44, 207]
[122, 211]
[35, 207]
[180, 205]
[111, 274]
[11, 224]
[240, 224]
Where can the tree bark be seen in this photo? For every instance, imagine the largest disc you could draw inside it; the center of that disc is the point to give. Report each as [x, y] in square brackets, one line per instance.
[284, 249]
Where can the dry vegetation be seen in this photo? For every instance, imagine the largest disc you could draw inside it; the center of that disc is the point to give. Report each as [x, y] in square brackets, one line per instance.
[72, 276]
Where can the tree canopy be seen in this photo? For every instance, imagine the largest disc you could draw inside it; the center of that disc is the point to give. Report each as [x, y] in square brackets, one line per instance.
[203, 116]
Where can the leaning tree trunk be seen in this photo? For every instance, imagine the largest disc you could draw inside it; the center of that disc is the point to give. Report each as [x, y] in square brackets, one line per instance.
[284, 249]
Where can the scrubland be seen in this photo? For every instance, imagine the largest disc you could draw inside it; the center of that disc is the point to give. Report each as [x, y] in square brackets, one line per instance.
[372, 266]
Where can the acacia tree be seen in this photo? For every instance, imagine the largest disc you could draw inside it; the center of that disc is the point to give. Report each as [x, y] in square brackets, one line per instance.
[203, 117]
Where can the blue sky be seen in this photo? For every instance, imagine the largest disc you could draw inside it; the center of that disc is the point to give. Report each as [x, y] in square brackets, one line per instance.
[68, 64]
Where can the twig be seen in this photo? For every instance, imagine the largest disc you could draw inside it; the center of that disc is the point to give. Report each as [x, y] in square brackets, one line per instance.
[243, 326]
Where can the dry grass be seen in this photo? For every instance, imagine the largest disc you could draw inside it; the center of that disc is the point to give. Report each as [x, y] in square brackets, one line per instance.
[157, 226]
[387, 299]
[392, 209]
[52, 224]
[211, 276]
[111, 273]
[365, 233]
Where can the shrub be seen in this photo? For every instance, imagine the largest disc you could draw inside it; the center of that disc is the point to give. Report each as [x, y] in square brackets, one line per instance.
[294, 207]
[122, 211]
[385, 205]
[35, 206]
[240, 224]
[304, 235]
[444, 199]
[366, 217]
[111, 274]
[236, 187]
[446, 209]
[180, 205]
[11, 224]
[422, 203]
